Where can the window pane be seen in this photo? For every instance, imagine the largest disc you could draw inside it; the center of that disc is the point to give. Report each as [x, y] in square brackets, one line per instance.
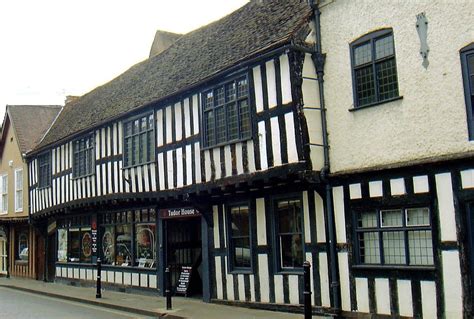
[242, 88]
[75, 245]
[239, 218]
[291, 250]
[365, 86]
[289, 216]
[86, 251]
[387, 79]
[420, 246]
[220, 96]
[367, 220]
[394, 248]
[209, 116]
[232, 121]
[384, 47]
[418, 216]
[363, 54]
[220, 125]
[108, 245]
[62, 245]
[208, 100]
[23, 246]
[123, 241]
[369, 248]
[392, 218]
[244, 118]
[230, 91]
[145, 245]
[241, 252]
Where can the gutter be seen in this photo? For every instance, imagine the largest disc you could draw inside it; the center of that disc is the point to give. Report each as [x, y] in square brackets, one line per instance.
[319, 59]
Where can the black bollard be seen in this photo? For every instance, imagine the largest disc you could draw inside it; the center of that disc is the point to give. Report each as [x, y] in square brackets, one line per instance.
[168, 288]
[307, 290]
[99, 270]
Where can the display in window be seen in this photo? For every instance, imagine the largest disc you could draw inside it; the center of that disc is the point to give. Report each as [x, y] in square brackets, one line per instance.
[124, 245]
[86, 245]
[23, 246]
[145, 243]
[62, 245]
[75, 245]
[108, 245]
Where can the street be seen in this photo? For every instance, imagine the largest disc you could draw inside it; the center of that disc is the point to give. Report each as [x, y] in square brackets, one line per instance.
[17, 304]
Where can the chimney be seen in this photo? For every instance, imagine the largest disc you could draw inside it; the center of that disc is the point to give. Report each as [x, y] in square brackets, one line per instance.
[70, 98]
[163, 40]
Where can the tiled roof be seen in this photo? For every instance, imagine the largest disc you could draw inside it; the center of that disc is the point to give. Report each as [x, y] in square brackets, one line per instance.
[195, 57]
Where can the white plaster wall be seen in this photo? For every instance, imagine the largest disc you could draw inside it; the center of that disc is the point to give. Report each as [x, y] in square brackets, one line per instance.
[430, 120]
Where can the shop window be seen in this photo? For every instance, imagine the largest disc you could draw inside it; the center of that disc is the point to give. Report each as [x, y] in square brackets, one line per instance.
[22, 245]
[289, 233]
[226, 113]
[374, 68]
[44, 170]
[83, 163]
[18, 190]
[239, 237]
[4, 193]
[395, 237]
[138, 141]
[74, 240]
[62, 245]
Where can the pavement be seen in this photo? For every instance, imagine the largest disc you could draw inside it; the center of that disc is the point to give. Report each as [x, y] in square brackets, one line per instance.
[145, 305]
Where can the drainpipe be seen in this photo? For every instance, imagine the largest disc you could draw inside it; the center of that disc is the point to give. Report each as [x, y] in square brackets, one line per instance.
[319, 60]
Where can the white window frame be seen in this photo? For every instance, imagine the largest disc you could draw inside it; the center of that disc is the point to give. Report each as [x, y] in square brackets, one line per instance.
[17, 190]
[3, 180]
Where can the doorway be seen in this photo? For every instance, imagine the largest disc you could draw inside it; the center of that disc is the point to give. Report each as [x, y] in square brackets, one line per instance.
[3, 254]
[40, 255]
[51, 273]
[183, 249]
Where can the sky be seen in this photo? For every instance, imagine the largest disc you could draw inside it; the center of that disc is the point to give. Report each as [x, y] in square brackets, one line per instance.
[53, 48]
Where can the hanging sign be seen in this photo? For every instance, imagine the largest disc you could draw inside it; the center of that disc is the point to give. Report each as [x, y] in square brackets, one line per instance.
[94, 234]
[179, 213]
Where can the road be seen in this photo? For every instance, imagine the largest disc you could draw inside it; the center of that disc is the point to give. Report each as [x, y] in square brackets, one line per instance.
[22, 305]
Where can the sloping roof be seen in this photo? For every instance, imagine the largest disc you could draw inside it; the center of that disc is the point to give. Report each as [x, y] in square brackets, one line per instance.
[30, 123]
[195, 57]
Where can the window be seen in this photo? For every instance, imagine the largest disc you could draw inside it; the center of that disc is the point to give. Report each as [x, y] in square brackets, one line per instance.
[44, 170]
[4, 193]
[395, 237]
[239, 236]
[75, 240]
[22, 245]
[83, 163]
[139, 137]
[18, 190]
[226, 113]
[374, 68]
[289, 222]
[467, 63]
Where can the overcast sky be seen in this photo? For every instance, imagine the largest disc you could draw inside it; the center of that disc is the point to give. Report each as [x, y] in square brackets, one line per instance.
[53, 48]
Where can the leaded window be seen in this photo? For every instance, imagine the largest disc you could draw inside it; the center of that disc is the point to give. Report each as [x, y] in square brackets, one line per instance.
[83, 163]
[374, 68]
[44, 170]
[467, 63]
[289, 222]
[139, 145]
[239, 236]
[226, 113]
[399, 236]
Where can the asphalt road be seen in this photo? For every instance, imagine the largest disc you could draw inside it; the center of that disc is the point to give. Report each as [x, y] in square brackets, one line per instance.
[17, 304]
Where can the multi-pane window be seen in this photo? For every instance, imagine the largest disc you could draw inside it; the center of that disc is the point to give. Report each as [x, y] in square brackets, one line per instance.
[374, 68]
[75, 240]
[44, 170]
[139, 145]
[395, 237]
[226, 113]
[83, 163]
[289, 231]
[467, 62]
[22, 245]
[18, 190]
[239, 236]
[4, 193]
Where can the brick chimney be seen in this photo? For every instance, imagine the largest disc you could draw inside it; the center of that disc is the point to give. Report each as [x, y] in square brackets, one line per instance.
[163, 40]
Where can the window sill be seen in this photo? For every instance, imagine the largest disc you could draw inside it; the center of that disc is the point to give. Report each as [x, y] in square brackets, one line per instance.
[375, 104]
[290, 271]
[394, 267]
[226, 143]
[21, 262]
[241, 272]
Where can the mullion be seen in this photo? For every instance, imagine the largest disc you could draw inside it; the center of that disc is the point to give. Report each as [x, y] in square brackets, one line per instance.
[374, 70]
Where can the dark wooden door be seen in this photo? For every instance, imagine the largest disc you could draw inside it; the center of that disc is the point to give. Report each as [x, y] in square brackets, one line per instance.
[51, 256]
[40, 255]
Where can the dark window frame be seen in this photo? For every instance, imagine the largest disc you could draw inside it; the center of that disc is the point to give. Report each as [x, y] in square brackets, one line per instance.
[380, 230]
[44, 170]
[150, 134]
[83, 224]
[80, 154]
[371, 38]
[230, 247]
[275, 229]
[241, 136]
[468, 85]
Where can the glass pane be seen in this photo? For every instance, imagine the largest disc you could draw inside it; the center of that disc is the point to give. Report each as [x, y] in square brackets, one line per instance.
[108, 245]
[367, 219]
[244, 118]
[62, 245]
[220, 125]
[391, 218]
[289, 216]
[387, 79]
[420, 247]
[384, 47]
[232, 121]
[209, 116]
[145, 245]
[75, 245]
[242, 88]
[418, 216]
[143, 126]
[220, 96]
[150, 122]
[365, 86]
[230, 91]
[123, 240]
[291, 250]
[86, 251]
[369, 248]
[241, 252]
[208, 100]
[23, 246]
[239, 218]
[394, 248]
[363, 54]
